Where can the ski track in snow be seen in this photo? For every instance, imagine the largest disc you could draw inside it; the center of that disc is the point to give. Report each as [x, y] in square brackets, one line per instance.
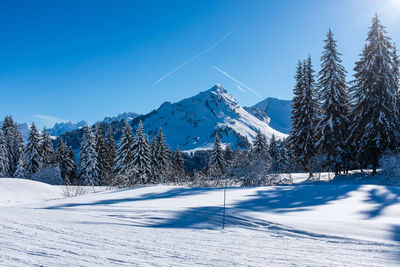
[167, 226]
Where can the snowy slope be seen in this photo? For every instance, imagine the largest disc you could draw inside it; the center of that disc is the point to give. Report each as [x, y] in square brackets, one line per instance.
[192, 122]
[14, 191]
[275, 111]
[300, 225]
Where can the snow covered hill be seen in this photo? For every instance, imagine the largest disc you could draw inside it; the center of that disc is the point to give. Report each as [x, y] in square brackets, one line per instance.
[14, 191]
[193, 122]
[275, 111]
[303, 225]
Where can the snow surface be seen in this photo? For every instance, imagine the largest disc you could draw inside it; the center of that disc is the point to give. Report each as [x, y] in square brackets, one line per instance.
[305, 225]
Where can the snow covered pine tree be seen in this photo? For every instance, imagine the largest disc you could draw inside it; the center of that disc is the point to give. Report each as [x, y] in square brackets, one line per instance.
[332, 129]
[88, 166]
[33, 157]
[304, 116]
[374, 125]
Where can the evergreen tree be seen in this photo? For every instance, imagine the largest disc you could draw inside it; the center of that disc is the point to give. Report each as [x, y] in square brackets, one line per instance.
[103, 162]
[65, 160]
[179, 165]
[162, 158]
[273, 151]
[124, 158]
[216, 161]
[332, 129]
[47, 149]
[14, 143]
[111, 152]
[69, 167]
[20, 172]
[141, 155]
[285, 162]
[33, 157]
[88, 165]
[4, 157]
[58, 177]
[374, 112]
[153, 158]
[304, 116]
[260, 143]
[396, 75]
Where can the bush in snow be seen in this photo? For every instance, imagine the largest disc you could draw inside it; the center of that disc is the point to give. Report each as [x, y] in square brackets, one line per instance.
[390, 164]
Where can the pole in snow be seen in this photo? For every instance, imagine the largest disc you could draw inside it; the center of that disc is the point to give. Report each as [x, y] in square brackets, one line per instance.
[223, 215]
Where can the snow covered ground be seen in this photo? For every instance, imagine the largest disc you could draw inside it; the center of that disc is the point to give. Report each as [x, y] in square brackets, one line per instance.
[305, 224]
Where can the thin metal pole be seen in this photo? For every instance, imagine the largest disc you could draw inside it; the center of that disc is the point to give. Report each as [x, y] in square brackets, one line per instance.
[223, 217]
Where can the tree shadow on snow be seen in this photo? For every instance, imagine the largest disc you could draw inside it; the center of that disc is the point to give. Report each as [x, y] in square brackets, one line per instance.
[175, 192]
[279, 199]
[381, 200]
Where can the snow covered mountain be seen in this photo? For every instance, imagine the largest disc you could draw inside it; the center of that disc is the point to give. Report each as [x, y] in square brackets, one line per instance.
[122, 116]
[193, 122]
[62, 127]
[275, 112]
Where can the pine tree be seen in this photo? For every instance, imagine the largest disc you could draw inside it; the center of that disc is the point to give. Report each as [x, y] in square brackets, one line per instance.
[124, 158]
[111, 152]
[4, 157]
[153, 158]
[14, 144]
[216, 162]
[88, 166]
[20, 172]
[69, 167]
[179, 165]
[285, 162]
[162, 158]
[65, 160]
[47, 149]
[374, 113]
[141, 155]
[58, 177]
[273, 151]
[396, 75]
[103, 162]
[304, 116]
[33, 157]
[260, 143]
[332, 129]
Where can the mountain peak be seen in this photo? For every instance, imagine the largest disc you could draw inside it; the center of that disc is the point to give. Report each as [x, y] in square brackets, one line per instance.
[218, 88]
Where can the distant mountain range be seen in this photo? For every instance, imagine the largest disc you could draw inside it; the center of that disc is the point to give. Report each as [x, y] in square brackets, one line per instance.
[61, 128]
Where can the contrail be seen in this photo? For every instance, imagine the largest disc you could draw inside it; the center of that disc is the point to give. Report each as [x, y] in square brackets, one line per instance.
[241, 89]
[234, 79]
[196, 56]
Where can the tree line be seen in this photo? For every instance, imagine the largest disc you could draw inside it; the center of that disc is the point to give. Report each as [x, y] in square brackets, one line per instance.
[341, 126]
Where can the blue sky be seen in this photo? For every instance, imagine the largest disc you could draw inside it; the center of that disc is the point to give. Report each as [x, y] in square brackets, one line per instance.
[84, 60]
